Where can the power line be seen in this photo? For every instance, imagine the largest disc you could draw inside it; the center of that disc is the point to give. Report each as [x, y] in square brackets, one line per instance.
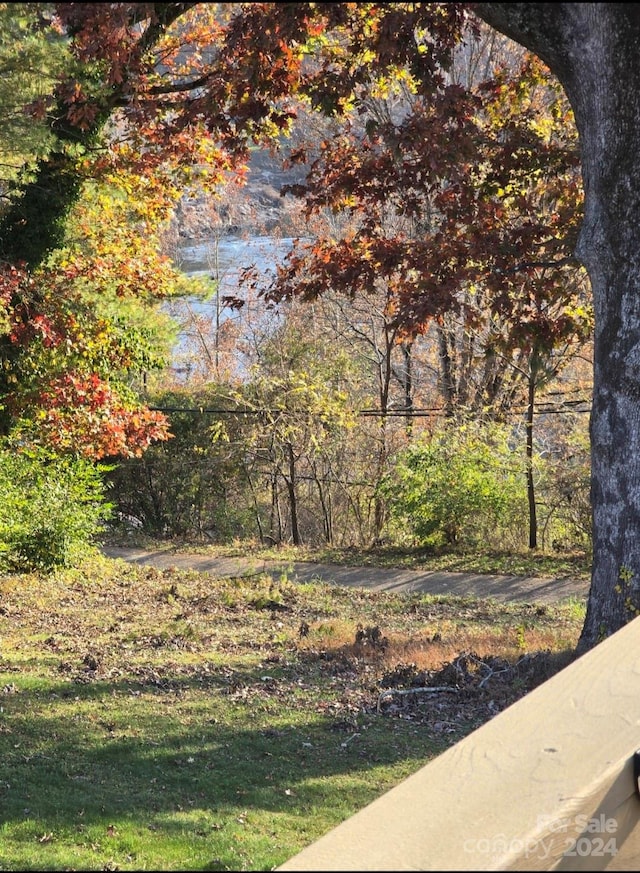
[421, 412]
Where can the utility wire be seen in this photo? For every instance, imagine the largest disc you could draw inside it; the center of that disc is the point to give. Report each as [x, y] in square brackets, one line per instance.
[567, 406]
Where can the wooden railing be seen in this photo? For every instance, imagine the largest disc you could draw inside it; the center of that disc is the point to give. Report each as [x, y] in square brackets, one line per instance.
[548, 784]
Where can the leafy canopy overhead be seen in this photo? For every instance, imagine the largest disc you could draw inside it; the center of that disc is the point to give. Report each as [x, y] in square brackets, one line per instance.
[147, 100]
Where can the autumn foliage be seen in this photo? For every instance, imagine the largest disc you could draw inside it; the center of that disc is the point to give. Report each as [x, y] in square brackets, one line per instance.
[464, 194]
[469, 204]
[62, 392]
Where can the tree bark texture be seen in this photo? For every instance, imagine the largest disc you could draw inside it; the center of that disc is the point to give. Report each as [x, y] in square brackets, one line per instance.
[593, 49]
[531, 486]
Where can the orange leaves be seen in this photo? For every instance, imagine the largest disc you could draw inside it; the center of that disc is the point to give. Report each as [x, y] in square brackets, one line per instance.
[446, 187]
[41, 327]
[84, 415]
[106, 32]
[62, 362]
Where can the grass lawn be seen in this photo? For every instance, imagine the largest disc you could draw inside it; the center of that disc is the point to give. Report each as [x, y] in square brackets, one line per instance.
[165, 720]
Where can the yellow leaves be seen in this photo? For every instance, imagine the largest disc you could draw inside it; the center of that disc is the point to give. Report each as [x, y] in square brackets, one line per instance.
[580, 315]
[367, 56]
[218, 433]
[544, 127]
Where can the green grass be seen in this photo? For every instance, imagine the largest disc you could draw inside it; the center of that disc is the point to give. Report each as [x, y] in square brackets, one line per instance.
[164, 720]
[175, 779]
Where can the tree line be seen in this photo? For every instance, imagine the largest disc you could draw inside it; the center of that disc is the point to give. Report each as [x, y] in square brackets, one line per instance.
[444, 182]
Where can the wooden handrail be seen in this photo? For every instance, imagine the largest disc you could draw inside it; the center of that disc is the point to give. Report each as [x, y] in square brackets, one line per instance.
[547, 784]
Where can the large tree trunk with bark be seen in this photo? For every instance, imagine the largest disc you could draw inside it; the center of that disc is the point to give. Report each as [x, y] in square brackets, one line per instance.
[593, 48]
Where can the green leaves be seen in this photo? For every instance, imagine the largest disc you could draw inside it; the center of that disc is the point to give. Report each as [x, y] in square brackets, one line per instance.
[50, 509]
[29, 66]
[456, 486]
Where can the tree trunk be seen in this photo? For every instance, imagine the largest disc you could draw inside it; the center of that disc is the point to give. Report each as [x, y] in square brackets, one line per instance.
[293, 497]
[593, 49]
[407, 384]
[256, 505]
[531, 488]
[446, 372]
[275, 525]
[325, 505]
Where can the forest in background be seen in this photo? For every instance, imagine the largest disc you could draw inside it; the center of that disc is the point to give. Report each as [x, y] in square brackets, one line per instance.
[417, 373]
[326, 422]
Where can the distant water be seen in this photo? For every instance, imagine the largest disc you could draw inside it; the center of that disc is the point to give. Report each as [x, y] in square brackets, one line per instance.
[223, 261]
[234, 254]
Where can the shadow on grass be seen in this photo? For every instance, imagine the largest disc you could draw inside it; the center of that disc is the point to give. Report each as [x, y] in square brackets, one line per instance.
[108, 749]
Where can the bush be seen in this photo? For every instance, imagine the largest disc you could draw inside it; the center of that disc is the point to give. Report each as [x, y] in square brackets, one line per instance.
[191, 486]
[460, 486]
[51, 508]
[565, 489]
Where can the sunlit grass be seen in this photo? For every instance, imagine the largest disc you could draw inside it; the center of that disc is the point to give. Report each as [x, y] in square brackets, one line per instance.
[166, 720]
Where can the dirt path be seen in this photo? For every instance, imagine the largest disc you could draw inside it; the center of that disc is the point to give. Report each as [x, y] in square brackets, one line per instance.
[502, 588]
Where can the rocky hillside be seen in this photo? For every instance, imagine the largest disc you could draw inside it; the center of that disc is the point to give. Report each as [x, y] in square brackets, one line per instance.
[257, 209]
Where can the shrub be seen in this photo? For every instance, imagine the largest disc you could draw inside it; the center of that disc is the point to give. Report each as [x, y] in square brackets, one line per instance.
[51, 509]
[459, 486]
[191, 486]
[565, 516]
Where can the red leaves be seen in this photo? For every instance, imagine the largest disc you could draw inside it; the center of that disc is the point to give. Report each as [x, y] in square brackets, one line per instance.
[464, 198]
[39, 327]
[452, 188]
[55, 395]
[84, 415]
[108, 32]
[14, 283]
[82, 114]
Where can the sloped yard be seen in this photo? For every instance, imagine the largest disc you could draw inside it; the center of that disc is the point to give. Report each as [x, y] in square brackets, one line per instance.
[163, 719]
